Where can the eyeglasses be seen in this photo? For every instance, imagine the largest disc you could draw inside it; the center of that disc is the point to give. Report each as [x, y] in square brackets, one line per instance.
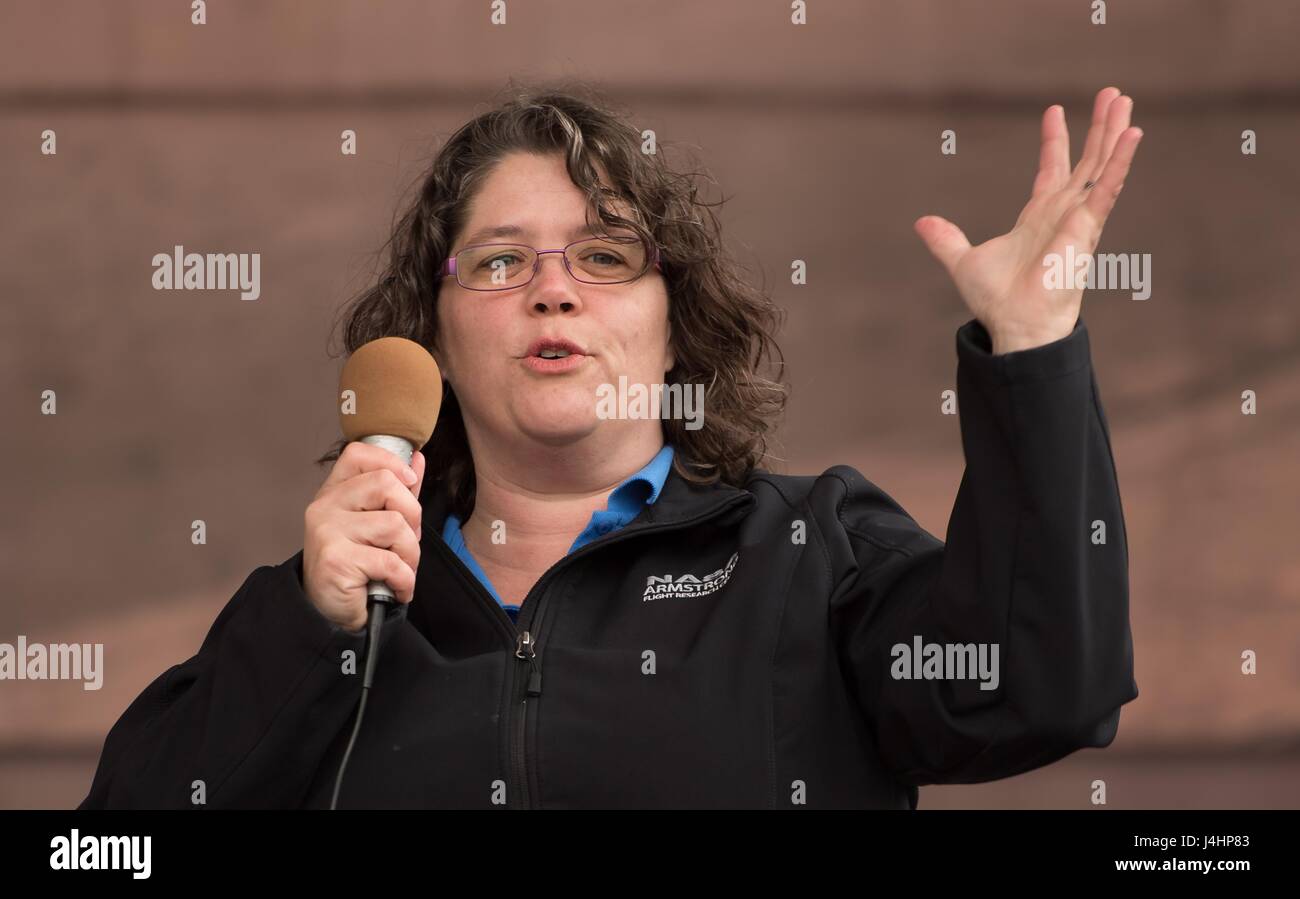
[597, 260]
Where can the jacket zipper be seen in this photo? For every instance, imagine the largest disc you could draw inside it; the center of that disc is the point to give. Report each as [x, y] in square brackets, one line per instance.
[524, 651]
[526, 640]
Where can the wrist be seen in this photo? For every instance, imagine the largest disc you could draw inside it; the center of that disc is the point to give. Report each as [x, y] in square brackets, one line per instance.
[1003, 342]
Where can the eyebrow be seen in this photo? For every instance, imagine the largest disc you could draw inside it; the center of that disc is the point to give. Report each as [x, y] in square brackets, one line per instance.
[483, 234]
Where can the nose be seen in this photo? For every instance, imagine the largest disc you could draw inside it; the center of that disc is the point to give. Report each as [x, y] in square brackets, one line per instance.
[553, 289]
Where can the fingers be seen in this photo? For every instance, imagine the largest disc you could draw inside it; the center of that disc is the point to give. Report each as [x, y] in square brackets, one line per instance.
[358, 457]
[1054, 155]
[374, 564]
[1096, 136]
[379, 490]
[1094, 145]
[386, 530]
[1117, 120]
[1101, 198]
[944, 239]
[417, 463]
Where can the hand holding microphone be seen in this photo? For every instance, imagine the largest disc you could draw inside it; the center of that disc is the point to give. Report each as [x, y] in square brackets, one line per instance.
[363, 525]
[361, 532]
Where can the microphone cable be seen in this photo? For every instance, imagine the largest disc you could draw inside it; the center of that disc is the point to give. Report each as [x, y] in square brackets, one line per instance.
[378, 608]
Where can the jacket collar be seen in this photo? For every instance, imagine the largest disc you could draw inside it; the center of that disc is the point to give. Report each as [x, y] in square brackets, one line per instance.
[680, 502]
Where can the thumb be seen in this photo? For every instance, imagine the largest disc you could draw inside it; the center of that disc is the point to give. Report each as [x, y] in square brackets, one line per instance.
[417, 463]
[945, 240]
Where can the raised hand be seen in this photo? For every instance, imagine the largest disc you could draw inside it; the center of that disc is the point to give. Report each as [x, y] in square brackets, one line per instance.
[1001, 280]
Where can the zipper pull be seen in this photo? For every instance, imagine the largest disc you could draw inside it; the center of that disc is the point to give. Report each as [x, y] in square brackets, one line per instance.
[524, 644]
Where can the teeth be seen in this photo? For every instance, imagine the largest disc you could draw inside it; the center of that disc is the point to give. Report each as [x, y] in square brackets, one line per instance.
[553, 354]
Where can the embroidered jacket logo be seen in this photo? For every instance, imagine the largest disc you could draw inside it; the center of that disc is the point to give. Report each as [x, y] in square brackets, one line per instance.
[689, 584]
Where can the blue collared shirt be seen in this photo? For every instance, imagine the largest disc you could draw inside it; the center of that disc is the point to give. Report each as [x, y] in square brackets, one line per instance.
[625, 503]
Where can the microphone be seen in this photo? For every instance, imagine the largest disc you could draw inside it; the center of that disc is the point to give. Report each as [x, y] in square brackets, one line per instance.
[396, 394]
[390, 391]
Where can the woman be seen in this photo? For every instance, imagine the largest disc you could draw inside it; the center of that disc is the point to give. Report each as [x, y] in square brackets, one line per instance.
[629, 611]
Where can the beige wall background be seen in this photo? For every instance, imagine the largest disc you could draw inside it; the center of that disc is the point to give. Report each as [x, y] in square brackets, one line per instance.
[224, 137]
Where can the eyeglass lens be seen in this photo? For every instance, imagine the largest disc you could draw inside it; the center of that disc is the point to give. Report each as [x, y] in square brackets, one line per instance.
[601, 260]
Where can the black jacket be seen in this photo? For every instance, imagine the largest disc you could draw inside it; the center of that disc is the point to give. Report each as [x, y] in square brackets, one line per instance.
[703, 655]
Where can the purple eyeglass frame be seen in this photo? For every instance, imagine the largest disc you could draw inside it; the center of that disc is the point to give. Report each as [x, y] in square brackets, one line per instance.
[449, 266]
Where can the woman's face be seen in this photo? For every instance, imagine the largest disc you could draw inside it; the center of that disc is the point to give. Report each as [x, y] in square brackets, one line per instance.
[486, 338]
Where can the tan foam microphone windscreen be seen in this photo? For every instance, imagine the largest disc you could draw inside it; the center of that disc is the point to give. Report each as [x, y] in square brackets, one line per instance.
[397, 391]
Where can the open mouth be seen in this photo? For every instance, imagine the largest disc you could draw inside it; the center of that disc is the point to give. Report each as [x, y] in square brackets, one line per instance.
[554, 354]
[554, 348]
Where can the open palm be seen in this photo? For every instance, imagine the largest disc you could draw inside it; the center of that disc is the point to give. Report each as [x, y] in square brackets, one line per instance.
[1001, 280]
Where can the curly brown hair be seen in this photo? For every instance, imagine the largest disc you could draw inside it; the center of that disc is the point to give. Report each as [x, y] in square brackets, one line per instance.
[722, 328]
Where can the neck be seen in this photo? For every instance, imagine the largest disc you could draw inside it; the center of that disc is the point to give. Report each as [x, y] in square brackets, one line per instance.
[543, 496]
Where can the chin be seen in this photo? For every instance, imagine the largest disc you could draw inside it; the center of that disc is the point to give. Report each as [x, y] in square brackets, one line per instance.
[557, 434]
[556, 423]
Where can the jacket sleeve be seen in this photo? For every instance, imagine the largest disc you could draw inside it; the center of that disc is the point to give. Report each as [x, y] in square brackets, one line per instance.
[251, 715]
[1035, 565]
